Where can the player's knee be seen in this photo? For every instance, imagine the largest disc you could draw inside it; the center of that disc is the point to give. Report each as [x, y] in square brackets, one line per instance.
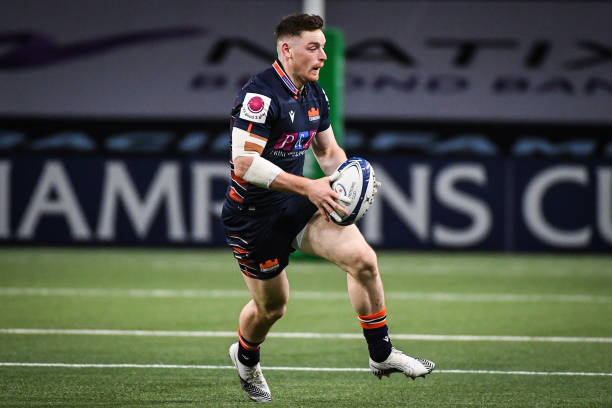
[365, 264]
[273, 312]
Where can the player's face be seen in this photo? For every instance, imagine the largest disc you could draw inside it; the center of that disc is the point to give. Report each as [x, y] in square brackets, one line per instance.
[307, 56]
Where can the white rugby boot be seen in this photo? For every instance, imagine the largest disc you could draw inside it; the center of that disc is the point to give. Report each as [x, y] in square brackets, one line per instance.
[251, 378]
[398, 362]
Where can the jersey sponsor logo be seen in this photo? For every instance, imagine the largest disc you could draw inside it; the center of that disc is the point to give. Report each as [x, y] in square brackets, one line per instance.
[256, 104]
[269, 265]
[295, 140]
[313, 114]
[255, 107]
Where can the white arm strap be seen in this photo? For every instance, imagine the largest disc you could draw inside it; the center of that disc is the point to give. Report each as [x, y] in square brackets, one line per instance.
[246, 144]
[261, 172]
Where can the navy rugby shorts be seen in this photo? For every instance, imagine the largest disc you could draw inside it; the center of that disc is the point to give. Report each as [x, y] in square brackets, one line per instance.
[262, 240]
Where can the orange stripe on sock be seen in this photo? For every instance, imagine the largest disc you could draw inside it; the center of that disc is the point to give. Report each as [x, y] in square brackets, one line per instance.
[373, 315]
[373, 326]
[377, 315]
[244, 343]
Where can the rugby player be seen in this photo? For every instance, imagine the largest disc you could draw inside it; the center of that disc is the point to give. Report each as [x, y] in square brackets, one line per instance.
[270, 209]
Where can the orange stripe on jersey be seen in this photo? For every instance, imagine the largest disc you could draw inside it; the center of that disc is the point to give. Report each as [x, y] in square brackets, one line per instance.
[250, 127]
[278, 69]
[234, 195]
[245, 262]
[252, 147]
[247, 273]
[239, 180]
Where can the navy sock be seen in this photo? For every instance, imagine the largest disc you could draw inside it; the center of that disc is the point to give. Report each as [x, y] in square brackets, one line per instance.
[376, 333]
[248, 352]
[379, 343]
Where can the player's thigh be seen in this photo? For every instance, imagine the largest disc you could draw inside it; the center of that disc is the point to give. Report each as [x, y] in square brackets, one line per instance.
[269, 294]
[344, 246]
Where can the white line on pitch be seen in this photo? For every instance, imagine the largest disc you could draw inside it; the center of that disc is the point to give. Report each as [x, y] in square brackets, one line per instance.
[298, 335]
[310, 295]
[348, 369]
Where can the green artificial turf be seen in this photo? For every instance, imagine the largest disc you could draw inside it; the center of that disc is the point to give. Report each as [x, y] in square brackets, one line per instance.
[202, 291]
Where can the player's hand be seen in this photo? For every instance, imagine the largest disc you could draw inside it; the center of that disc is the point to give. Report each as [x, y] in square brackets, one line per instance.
[325, 199]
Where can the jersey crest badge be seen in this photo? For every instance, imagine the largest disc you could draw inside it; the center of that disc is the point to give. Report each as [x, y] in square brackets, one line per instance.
[313, 114]
[269, 265]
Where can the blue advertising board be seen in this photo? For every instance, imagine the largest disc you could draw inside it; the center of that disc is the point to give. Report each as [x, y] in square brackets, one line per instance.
[505, 204]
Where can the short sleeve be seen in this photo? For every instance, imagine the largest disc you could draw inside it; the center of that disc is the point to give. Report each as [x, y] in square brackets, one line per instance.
[254, 112]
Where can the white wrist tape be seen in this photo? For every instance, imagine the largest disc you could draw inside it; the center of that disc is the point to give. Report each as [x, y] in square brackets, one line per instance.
[262, 172]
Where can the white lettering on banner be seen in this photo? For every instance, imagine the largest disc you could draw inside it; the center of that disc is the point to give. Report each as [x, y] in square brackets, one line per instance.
[201, 200]
[534, 215]
[462, 202]
[54, 179]
[604, 203]
[409, 194]
[118, 186]
[5, 171]
[414, 213]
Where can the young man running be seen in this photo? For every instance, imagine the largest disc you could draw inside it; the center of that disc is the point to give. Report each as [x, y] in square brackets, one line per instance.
[270, 209]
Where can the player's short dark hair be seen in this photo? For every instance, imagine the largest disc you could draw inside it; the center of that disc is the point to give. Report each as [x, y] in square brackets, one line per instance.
[295, 24]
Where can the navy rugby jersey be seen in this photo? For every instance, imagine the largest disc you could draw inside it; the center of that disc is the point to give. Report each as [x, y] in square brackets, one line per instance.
[282, 123]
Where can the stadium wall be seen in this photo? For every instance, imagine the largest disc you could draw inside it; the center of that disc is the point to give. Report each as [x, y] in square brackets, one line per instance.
[405, 60]
[487, 136]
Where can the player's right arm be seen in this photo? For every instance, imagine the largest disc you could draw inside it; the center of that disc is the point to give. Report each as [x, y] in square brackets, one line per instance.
[253, 118]
[261, 172]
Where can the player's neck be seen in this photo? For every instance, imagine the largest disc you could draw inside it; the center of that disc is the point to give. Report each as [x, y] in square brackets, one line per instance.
[298, 84]
[292, 76]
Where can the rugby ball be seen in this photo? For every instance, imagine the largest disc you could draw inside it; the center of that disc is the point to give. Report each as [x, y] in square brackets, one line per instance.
[354, 179]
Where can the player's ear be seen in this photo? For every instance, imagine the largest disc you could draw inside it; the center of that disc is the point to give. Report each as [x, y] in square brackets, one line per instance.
[285, 48]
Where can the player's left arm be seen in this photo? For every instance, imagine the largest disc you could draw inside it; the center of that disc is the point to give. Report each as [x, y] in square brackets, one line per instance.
[328, 153]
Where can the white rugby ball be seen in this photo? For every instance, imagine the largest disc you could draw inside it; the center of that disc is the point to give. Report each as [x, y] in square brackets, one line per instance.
[355, 180]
